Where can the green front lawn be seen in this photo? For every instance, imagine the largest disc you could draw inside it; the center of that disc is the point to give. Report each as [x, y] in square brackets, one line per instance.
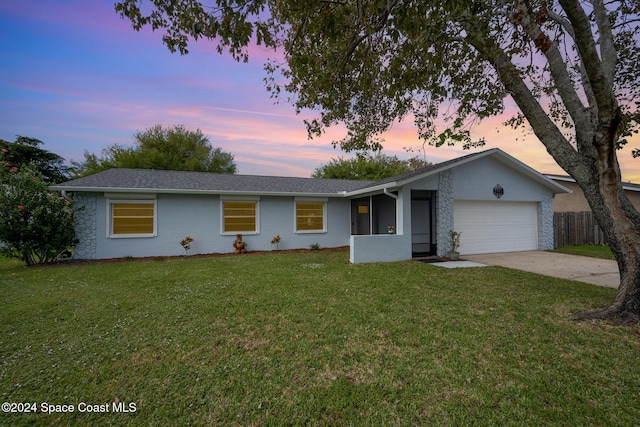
[308, 339]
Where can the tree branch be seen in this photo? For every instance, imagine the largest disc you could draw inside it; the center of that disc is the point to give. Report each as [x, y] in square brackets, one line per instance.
[379, 24]
[558, 68]
[564, 23]
[586, 45]
[543, 127]
[607, 46]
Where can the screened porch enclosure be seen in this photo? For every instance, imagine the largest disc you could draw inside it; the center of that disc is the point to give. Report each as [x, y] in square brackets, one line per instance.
[375, 214]
[374, 228]
[375, 235]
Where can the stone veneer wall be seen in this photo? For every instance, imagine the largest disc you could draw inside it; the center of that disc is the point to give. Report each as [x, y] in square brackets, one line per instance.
[545, 223]
[86, 227]
[445, 211]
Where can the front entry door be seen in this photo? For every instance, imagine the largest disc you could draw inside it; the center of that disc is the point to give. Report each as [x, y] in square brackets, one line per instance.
[360, 216]
[422, 235]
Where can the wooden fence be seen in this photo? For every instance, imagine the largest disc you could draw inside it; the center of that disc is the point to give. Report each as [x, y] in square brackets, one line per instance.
[576, 228]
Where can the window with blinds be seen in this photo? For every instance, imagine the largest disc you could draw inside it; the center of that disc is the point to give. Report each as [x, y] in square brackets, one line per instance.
[135, 218]
[239, 217]
[310, 216]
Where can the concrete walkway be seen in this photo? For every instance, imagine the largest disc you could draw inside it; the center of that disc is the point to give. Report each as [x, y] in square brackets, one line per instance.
[601, 272]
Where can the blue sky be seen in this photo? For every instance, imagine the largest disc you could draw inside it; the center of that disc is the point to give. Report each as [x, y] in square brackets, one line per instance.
[77, 77]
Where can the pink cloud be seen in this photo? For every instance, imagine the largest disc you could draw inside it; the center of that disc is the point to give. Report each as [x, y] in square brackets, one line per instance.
[110, 82]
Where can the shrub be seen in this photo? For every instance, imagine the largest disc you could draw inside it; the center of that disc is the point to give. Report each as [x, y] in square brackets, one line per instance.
[36, 225]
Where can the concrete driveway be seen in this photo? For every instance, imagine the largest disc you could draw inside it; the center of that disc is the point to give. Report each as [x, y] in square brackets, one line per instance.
[601, 272]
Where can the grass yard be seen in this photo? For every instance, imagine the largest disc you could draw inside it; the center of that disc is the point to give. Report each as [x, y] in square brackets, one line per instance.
[308, 339]
[594, 251]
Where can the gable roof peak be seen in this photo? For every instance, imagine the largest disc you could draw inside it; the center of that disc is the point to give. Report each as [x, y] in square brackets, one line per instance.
[402, 179]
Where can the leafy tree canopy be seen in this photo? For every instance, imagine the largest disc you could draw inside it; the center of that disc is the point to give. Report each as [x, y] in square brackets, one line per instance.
[366, 166]
[26, 150]
[369, 63]
[170, 148]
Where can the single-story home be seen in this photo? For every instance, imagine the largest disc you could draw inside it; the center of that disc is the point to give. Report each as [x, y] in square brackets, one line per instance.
[498, 203]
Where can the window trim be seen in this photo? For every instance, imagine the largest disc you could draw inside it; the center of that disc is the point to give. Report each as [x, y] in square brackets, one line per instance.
[224, 199]
[323, 201]
[142, 200]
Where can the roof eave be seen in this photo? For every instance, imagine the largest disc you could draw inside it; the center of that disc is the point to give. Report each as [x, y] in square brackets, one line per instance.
[374, 189]
[187, 191]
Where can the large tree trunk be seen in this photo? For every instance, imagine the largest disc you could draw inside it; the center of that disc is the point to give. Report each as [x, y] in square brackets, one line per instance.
[594, 166]
[620, 223]
[592, 162]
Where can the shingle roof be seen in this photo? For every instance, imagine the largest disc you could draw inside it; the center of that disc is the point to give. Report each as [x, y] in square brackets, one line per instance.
[160, 181]
[179, 181]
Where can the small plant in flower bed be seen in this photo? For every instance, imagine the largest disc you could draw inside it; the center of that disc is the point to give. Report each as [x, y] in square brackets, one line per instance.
[186, 244]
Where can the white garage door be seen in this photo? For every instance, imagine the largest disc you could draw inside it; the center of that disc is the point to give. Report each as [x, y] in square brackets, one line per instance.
[492, 227]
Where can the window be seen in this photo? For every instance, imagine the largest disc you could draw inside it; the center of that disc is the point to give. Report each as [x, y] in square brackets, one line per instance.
[310, 217]
[133, 218]
[240, 217]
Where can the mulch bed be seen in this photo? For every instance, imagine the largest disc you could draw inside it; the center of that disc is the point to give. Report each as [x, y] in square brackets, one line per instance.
[196, 256]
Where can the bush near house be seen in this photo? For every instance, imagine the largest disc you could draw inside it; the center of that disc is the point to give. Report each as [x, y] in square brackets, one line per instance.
[36, 225]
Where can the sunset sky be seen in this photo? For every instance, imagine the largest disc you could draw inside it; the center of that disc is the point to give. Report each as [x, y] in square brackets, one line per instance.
[77, 77]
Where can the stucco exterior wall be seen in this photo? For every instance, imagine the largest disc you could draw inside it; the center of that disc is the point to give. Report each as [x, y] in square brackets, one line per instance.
[380, 248]
[476, 181]
[200, 217]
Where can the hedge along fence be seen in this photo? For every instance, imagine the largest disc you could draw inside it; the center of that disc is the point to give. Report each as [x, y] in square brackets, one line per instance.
[576, 228]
